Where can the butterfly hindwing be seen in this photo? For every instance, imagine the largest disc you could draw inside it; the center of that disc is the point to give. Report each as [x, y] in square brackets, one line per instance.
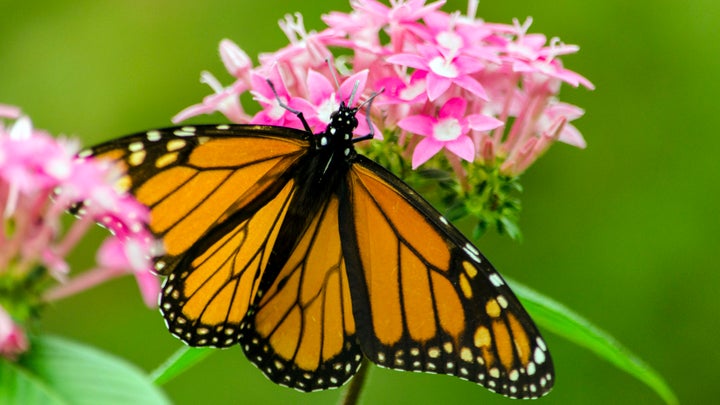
[205, 300]
[301, 331]
[425, 299]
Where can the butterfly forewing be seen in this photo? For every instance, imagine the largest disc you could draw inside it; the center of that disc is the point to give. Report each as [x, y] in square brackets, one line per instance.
[217, 197]
[195, 178]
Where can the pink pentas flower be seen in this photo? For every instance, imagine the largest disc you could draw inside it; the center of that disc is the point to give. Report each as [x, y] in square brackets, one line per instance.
[400, 11]
[236, 61]
[31, 159]
[400, 19]
[13, 340]
[224, 100]
[454, 34]
[40, 179]
[557, 113]
[273, 113]
[442, 71]
[552, 68]
[525, 153]
[418, 57]
[400, 96]
[528, 54]
[117, 255]
[403, 90]
[449, 130]
[307, 50]
[9, 111]
[363, 27]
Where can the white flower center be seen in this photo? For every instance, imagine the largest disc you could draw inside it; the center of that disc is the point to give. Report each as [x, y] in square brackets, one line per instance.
[277, 111]
[450, 40]
[443, 67]
[413, 90]
[447, 130]
[326, 109]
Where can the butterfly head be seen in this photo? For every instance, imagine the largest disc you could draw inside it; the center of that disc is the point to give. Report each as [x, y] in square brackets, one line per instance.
[339, 132]
[343, 122]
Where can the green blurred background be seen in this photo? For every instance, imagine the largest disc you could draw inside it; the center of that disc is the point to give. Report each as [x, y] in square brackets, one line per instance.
[624, 232]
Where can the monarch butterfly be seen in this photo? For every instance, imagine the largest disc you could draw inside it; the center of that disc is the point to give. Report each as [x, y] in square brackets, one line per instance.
[311, 256]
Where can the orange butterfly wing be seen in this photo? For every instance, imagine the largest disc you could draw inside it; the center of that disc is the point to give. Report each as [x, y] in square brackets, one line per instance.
[425, 299]
[217, 197]
[301, 331]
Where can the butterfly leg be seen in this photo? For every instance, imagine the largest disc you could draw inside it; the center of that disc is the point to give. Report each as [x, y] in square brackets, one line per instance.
[299, 113]
[369, 101]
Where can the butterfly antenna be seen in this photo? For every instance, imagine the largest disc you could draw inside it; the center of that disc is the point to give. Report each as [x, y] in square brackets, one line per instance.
[369, 102]
[282, 104]
[337, 83]
[332, 72]
[352, 94]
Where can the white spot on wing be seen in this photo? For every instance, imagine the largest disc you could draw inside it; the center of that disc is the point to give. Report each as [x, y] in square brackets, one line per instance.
[541, 344]
[502, 301]
[136, 146]
[472, 252]
[180, 132]
[153, 136]
[496, 280]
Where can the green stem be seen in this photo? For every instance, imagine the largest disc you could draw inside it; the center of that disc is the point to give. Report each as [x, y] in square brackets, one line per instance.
[354, 389]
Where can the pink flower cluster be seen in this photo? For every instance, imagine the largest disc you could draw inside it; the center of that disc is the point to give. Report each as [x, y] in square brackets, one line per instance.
[40, 179]
[483, 92]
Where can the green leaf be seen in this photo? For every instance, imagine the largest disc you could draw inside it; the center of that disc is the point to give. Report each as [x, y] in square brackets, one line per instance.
[181, 360]
[57, 371]
[560, 320]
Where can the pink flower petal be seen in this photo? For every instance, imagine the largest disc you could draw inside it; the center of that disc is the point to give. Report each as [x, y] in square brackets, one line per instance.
[13, 340]
[467, 65]
[149, 285]
[472, 85]
[436, 85]
[463, 146]
[480, 122]
[424, 150]
[319, 87]
[409, 60]
[9, 111]
[236, 61]
[571, 136]
[112, 254]
[418, 124]
[455, 107]
[348, 85]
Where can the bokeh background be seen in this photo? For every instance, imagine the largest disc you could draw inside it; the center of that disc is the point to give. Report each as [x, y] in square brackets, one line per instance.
[624, 232]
